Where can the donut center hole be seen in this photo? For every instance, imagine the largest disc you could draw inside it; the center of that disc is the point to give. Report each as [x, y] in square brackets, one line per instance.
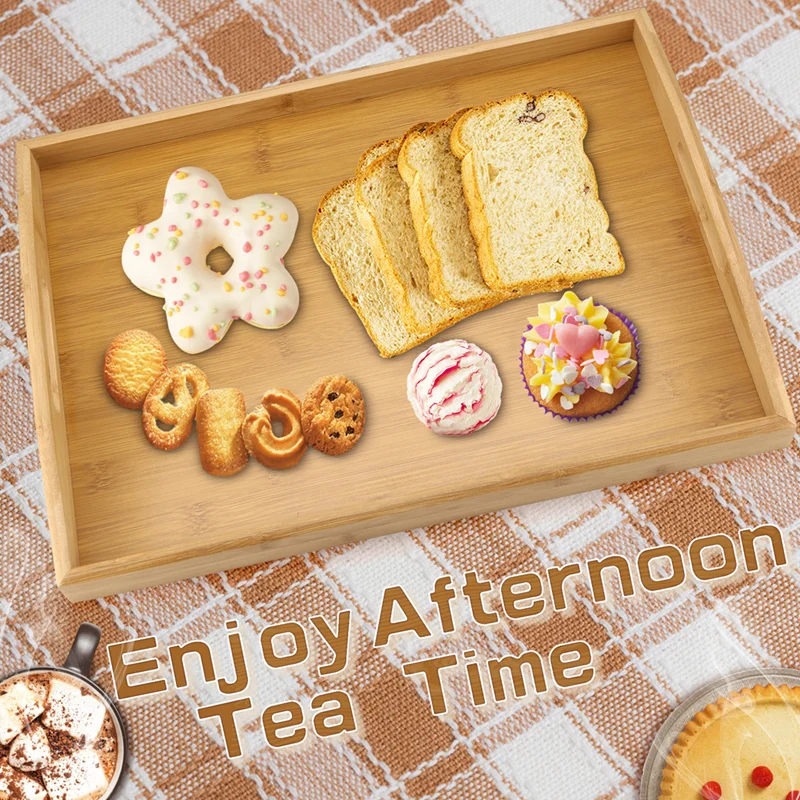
[164, 426]
[218, 260]
[278, 428]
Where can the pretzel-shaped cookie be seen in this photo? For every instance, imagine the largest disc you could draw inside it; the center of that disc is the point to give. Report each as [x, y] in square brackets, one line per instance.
[166, 424]
[275, 452]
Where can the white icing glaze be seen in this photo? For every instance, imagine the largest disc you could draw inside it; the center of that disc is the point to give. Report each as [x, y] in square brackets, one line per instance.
[167, 258]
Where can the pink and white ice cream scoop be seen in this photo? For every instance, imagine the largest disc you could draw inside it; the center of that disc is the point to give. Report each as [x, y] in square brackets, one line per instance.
[454, 388]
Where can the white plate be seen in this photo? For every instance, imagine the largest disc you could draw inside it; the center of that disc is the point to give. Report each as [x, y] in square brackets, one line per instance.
[650, 786]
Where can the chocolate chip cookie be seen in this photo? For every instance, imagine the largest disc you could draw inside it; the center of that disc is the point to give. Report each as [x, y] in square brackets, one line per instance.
[333, 415]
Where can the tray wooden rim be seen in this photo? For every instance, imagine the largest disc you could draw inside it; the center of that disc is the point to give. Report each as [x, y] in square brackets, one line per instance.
[775, 429]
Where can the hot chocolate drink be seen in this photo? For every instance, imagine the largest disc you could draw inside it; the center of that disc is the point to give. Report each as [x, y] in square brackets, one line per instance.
[58, 739]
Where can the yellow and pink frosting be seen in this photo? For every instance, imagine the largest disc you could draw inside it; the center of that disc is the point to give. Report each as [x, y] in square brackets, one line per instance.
[575, 352]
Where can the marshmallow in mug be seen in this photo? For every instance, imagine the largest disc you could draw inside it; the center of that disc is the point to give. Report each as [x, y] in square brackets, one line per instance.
[167, 258]
[79, 763]
[21, 702]
[73, 710]
[19, 785]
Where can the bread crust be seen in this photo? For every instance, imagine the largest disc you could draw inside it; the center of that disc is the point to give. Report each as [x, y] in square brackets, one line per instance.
[478, 223]
[371, 227]
[420, 214]
[789, 695]
[421, 217]
[412, 339]
[374, 151]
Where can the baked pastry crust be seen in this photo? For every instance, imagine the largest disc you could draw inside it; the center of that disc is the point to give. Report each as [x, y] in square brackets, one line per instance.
[758, 726]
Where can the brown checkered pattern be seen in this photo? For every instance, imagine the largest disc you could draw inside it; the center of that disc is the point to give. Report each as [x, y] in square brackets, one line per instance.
[73, 63]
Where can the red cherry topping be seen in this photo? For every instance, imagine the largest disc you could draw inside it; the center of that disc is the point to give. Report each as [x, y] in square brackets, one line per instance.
[711, 791]
[761, 777]
[793, 795]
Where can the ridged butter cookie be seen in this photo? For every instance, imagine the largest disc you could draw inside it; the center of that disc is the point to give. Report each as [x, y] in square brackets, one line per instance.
[133, 361]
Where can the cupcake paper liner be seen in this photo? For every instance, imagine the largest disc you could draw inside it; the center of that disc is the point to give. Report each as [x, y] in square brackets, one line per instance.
[634, 332]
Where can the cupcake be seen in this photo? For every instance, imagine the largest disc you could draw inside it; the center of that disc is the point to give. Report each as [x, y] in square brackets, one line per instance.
[579, 359]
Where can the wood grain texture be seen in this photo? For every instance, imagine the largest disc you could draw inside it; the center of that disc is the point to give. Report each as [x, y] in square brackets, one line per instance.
[48, 401]
[331, 90]
[712, 216]
[143, 516]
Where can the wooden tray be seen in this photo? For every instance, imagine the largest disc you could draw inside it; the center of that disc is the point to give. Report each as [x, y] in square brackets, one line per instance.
[123, 515]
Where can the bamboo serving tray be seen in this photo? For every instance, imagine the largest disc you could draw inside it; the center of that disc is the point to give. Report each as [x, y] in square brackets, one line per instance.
[123, 515]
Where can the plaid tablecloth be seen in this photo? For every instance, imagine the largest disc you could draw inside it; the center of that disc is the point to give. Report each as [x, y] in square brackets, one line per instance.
[73, 63]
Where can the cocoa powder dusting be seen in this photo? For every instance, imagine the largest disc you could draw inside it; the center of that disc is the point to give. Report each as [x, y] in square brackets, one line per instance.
[61, 743]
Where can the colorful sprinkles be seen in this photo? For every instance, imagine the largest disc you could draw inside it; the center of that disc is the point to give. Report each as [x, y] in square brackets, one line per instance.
[574, 353]
[208, 307]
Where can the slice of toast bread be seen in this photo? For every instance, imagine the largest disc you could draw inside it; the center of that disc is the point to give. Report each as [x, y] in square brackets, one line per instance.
[375, 151]
[439, 211]
[534, 209]
[344, 246]
[393, 283]
[384, 212]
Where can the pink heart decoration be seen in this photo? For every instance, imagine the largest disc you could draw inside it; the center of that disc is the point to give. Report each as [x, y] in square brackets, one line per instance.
[577, 339]
[600, 356]
[543, 330]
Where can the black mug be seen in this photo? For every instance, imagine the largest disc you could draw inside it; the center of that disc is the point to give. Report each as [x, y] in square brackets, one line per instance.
[78, 666]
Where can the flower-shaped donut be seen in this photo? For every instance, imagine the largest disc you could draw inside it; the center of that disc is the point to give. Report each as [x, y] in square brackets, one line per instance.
[167, 258]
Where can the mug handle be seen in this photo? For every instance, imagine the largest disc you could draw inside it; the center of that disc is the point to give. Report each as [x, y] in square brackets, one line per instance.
[83, 648]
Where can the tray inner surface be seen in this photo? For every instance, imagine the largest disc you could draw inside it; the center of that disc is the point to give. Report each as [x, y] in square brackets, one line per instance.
[130, 498]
